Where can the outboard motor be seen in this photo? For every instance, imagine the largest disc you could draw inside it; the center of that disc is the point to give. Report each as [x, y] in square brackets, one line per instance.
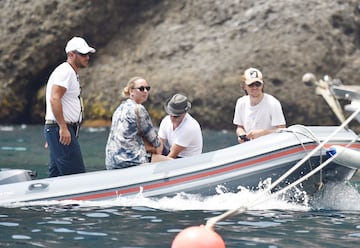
[16, 175]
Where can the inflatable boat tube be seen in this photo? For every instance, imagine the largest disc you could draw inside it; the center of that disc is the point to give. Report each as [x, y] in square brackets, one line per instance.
[346, 156]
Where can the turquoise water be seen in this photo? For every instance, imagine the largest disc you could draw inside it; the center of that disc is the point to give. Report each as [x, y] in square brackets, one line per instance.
[329, 220]
[145, 227]
[23, 147]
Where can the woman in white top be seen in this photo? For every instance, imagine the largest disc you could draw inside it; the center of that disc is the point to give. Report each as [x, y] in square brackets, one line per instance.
[257, 113]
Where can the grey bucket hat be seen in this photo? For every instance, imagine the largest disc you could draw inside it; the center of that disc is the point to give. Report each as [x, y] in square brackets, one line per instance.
[177, 105]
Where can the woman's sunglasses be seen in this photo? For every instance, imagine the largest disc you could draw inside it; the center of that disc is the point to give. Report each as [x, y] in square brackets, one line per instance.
[143, 88]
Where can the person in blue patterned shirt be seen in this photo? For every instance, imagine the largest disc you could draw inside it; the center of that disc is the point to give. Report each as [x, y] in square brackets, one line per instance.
[130, 123]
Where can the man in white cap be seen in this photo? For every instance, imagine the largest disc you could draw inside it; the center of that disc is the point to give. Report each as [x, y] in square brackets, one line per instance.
[256, 113]
[179, 131]
[64, 110]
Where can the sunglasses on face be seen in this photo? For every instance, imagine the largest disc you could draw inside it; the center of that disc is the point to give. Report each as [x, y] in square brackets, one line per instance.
[81, 54]
[255, 84]
[143, 88]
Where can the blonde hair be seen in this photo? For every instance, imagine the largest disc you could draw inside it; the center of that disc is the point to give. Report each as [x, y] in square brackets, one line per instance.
[130, 84]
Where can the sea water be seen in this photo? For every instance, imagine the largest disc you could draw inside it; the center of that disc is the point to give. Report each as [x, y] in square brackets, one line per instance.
[329, 220]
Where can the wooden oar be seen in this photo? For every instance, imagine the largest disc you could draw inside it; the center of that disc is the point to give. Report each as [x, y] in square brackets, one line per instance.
[212, 221]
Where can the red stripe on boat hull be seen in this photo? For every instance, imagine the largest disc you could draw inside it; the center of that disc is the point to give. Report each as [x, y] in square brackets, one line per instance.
[189, 178]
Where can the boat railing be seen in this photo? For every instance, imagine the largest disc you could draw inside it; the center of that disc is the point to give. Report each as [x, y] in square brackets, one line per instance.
[333, 90]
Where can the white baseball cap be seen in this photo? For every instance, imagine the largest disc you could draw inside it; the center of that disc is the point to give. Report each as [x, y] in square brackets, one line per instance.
[253, 75]
[78, 44]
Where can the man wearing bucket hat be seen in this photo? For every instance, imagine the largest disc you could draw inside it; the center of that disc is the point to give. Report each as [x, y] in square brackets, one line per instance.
[179, 131]
[257, 113]
[64, 110]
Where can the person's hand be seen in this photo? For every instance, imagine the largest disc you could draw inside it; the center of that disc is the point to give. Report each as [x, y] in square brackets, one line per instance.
[255, 134]
[65, 136]
[243, 138]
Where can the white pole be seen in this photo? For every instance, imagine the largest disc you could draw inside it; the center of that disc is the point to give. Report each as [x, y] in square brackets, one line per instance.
[212, 221]
[316, 149]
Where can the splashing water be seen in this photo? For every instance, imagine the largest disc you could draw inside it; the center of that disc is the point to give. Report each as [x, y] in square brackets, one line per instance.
[222, 201]
[338, 196]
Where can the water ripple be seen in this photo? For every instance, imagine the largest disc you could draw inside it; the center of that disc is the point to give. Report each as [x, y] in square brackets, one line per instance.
[8, 224]
[20, 237]
[91, 233]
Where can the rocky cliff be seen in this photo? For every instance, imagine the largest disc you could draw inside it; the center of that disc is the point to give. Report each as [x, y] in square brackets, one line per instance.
[198, 48]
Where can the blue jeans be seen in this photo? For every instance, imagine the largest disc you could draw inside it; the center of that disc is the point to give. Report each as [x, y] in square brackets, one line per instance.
[64, 159]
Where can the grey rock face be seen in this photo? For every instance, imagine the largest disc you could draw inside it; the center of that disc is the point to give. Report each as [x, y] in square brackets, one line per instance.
[197, 48]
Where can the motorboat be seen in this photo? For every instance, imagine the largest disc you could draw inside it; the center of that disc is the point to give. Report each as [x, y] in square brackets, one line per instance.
[316, 155]
[308, 157]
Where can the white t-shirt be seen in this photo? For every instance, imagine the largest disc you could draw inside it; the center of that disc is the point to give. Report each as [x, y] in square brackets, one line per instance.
[188, 134]
[267, 114]
[65, 76]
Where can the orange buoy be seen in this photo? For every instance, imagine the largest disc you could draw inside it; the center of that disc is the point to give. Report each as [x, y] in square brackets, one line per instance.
[198, 237]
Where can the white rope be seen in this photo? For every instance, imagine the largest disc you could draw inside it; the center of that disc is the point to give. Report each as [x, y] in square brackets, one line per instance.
[316, 149]
[300, 180]
[321, 166]
[212, 221]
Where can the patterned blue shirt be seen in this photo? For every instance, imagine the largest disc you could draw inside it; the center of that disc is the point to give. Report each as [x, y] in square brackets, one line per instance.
[125, 146]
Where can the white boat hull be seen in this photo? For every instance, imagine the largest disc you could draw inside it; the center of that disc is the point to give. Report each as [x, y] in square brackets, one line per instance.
[243, 165]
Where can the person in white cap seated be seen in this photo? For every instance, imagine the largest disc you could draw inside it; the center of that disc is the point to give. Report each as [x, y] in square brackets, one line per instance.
[257, 113]
[179, 131]
[64, 110]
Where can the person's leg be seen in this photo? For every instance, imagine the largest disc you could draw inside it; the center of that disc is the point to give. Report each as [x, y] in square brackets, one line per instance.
[51, 133]
[71, 161]
[65, 159]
